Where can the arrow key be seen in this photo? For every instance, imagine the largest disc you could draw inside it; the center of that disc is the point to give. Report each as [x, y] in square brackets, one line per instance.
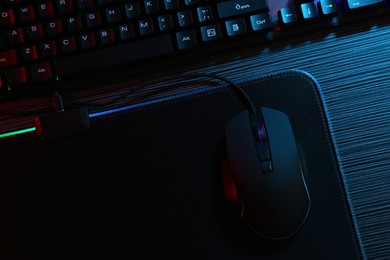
[287, 16]
[309, 12]
[328, 8]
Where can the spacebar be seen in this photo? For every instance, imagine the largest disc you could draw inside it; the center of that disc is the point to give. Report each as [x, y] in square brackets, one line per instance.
[117, 55]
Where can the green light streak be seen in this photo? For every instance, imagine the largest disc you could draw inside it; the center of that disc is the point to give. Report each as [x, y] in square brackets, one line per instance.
[31, 129]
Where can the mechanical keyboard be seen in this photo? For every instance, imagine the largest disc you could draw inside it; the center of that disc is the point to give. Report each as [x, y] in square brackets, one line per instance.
[43, 42]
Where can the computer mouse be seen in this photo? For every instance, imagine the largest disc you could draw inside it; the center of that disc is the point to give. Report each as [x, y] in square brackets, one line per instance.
[264, 176]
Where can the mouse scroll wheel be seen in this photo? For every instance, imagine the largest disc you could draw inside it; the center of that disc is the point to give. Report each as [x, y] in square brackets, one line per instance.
[260, 133]
[262, 143]
[263, 149]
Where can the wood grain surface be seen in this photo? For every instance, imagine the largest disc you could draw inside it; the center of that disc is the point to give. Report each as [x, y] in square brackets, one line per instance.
[352, 67]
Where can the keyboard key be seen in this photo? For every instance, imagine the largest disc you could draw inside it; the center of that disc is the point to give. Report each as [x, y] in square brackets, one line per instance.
[171, 4]
[235, 27]
[107, 36]
[238, 7]
[126, 31]
[287, 16]
[211, 32]
[41, 71]
[132, 10]
[146, 26]
[48, 49]
[121, 54]
[186, 39]
[93, 19]
[16, 76]
[26, 13]
[46, 9]
[113, 14]
[7, 58]
[165, 22]
[35, 31]
[357, 4]
[73, 23]
[15, 36]
[151, 6]
[87, 40]
[328, 8]
[260, 22]
[68, 44]
[29, 53]
[185, 18]
[205, 13]
[65, 6]
[309, 12]
[85, 4]
[54, 27]
[7, 17]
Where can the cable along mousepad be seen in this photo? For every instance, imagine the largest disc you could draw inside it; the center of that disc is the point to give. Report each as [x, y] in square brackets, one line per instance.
[146, 183]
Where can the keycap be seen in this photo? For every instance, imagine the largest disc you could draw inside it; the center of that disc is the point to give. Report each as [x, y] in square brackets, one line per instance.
[238, 7]
[309, 11]
[41, 71]
[328, 7]
[146, 26]
[26, 13]
[7, 17]
[85, 4]
[121, 54]
[46, 9]
[205, 13]
[211, 32]
[65, 6]
[287, 16]
[151, 6]
[187, 39]
[171, 4]
[261, 22]
[133, 10]
[165, 22]
[356, 4]
[16, 76]
[126, 31]
[235, 27]
[185, 18]
[7, 58]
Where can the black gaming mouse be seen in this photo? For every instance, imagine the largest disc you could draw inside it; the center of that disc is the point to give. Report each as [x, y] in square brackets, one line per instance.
[264, 175]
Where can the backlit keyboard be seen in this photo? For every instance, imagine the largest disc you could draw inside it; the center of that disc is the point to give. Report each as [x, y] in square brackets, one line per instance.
[46, 42]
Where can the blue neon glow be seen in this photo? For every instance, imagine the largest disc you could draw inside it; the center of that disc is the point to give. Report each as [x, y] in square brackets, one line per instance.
[152, 102]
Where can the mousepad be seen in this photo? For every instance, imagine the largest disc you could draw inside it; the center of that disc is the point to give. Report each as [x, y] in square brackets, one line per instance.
[147, 183]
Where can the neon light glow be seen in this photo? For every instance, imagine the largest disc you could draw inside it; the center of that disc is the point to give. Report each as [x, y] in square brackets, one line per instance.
[18, 132]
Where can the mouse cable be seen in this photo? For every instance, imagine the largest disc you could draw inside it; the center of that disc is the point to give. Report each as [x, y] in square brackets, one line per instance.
[193, 77]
